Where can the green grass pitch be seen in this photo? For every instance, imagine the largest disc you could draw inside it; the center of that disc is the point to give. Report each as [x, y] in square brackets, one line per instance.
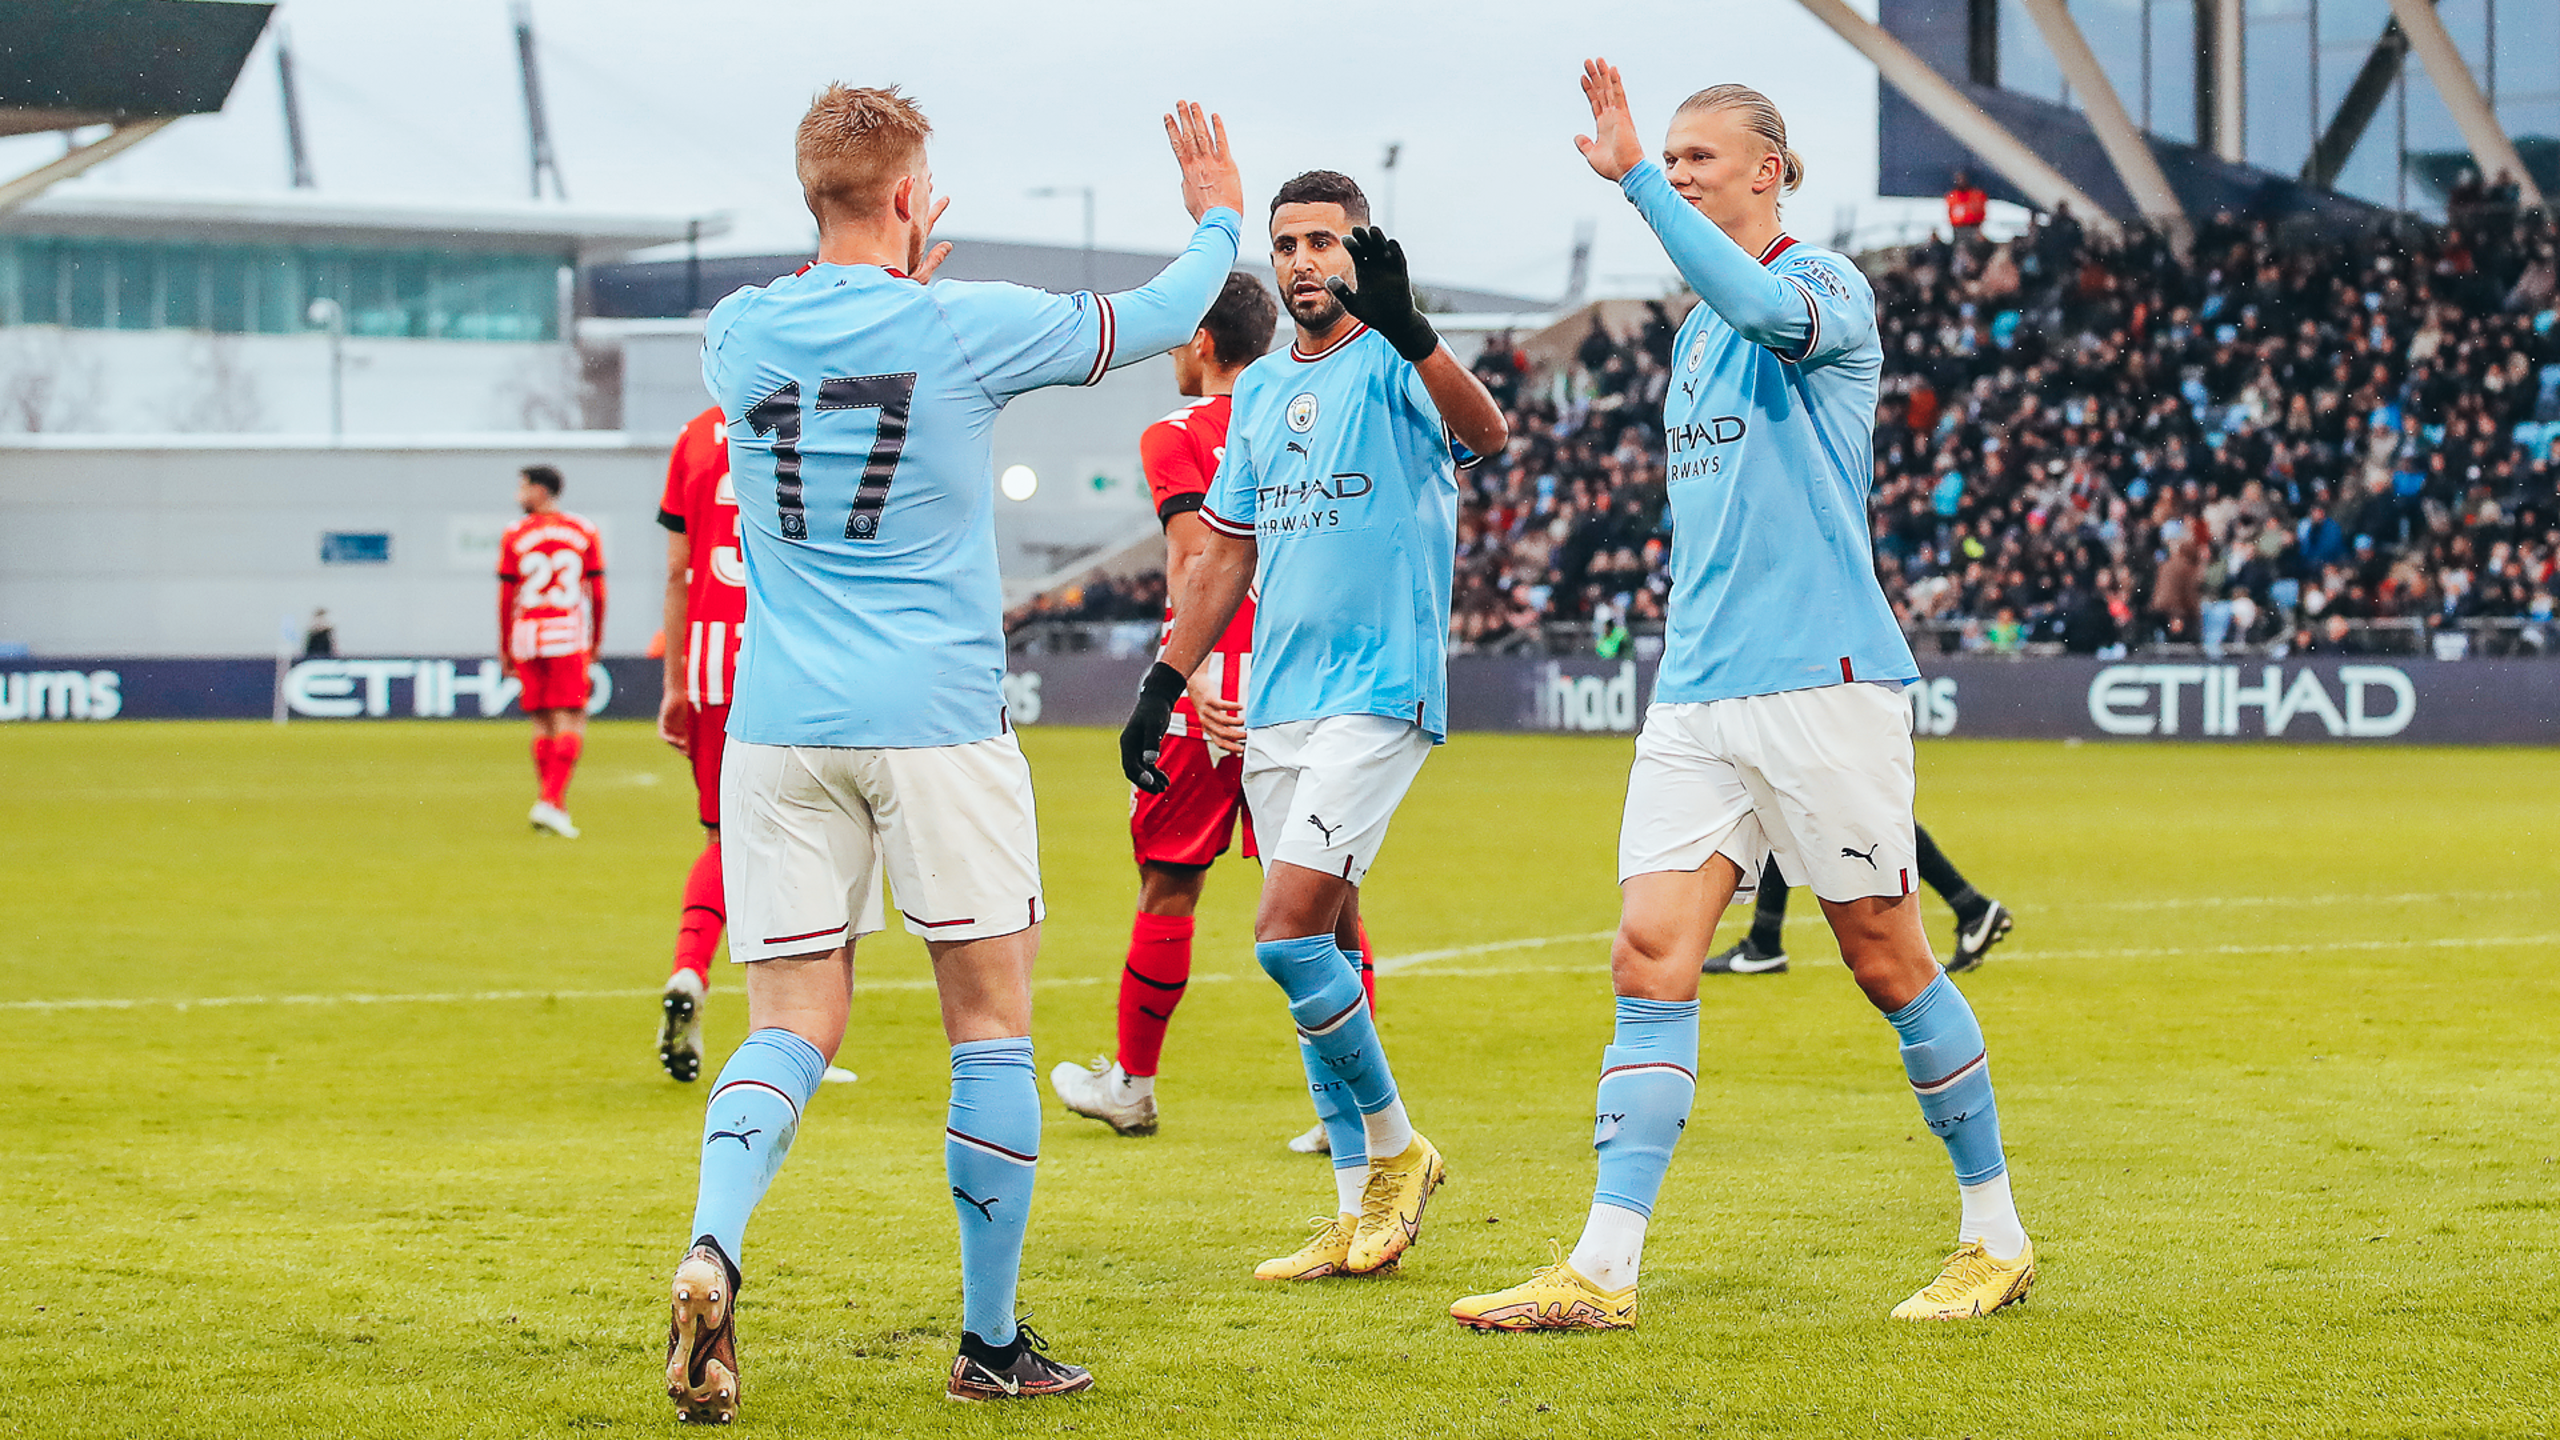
[2274, 1043]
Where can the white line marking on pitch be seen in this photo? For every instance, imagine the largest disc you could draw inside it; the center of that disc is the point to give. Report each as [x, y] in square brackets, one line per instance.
[2414, 898]
[1390, 965]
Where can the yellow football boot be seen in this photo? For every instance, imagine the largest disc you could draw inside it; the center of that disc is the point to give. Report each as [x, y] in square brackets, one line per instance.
[1322, 1255]
[1972, 1284]
[1554, 1297]
[1391, 1206]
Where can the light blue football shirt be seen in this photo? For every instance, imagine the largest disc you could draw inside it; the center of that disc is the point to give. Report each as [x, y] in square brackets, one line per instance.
[860, 409]
[1771, 423]
[1340, 469]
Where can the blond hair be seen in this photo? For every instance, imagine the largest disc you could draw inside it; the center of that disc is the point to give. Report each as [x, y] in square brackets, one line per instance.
[1760, 118]
[854, 145]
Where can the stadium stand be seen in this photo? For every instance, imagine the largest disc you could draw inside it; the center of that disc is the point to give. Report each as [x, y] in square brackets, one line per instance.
[2279, 444]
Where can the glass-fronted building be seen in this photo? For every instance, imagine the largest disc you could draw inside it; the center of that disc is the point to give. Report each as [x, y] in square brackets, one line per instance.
[131, 313]
[100, 260]
[89, 283]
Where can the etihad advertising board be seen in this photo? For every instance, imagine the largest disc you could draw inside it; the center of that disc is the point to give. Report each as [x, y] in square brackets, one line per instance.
[2468, 702]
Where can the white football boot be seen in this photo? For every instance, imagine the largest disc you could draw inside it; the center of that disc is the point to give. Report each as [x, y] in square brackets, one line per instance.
[1095, 1090]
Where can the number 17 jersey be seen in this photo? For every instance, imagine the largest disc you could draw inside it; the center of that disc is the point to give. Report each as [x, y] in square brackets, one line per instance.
[860, 407]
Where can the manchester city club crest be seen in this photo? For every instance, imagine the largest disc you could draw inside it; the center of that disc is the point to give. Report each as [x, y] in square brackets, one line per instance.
[1302, 413]
[1697, 353]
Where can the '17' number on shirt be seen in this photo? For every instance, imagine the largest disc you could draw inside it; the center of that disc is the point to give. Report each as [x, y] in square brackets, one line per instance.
[778, 415]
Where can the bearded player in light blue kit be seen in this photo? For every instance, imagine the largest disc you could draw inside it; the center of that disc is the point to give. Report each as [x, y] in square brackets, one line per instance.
[868, 722]
[1777, 724]
[1339, 487]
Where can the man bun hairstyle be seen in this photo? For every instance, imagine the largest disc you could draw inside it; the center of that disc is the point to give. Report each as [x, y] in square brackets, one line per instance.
[1241, 322]
[1325, 187]
[544, 476]
[1759, 117]
[854, 145]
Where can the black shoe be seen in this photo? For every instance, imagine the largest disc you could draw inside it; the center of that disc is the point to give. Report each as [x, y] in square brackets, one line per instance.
[680, 1026]
[1973, 941]
[1017, 1371]
[1745, 958]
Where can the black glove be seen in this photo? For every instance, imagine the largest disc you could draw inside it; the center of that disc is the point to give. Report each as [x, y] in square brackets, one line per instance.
[1384, 301]
[1142, 739]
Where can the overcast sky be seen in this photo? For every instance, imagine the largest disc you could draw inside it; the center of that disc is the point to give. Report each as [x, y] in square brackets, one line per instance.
[687, 106]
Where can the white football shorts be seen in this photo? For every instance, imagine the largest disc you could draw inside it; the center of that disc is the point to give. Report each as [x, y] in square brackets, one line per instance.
[1821, 778]
[1322, 791]
[806, 829]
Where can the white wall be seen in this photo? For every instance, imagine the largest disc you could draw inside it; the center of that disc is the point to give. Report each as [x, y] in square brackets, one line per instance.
[203, 547]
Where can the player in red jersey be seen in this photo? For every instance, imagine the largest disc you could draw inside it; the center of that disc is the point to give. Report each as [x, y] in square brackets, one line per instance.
[706, 612]
[550, 626]
[1178, 834]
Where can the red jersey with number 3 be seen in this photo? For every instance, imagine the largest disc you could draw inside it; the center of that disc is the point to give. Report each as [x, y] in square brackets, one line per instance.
[700, 505]
[1181, 453]
[544, 563]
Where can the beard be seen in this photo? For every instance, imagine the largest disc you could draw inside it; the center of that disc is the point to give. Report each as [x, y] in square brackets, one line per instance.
[1317, 312]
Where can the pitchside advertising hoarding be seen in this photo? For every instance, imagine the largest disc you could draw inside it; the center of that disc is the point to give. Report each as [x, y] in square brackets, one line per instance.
[2344, 701]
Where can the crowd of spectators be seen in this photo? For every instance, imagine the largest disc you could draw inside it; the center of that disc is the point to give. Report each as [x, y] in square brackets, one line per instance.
[1101, 598]
[2101, 446]
[2258, 442]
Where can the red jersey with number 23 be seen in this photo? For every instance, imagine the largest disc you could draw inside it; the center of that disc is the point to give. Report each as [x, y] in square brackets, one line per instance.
[1181, 453]
[544, 562]
[700, 505]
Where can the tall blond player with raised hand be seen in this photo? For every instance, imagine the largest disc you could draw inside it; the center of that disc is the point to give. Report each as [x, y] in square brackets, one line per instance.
[1777, 724]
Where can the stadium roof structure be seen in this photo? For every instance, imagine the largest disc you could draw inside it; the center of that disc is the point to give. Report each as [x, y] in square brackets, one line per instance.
[132, 64]
[68, 63]
[667, 289]
[2055, 102]
[305, 219]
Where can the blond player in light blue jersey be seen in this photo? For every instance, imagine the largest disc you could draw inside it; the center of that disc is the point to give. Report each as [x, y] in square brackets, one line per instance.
[868, 723]
[1777, 725]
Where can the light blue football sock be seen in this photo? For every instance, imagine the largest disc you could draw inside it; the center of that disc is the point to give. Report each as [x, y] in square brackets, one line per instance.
[747, 1127]
[991, 1152]
[1323, 987]
[1943, 1054]
[1345, 1136]
[1343, 1131]
[1647, 1081]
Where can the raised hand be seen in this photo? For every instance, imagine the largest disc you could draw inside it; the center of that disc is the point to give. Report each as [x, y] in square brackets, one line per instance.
[1209, 175]
[1614, 149]
[932, 258]
[1384, 299]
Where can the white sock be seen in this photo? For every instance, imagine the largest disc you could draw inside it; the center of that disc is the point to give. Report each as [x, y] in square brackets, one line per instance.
[1347, 1184]
[1991, 1217]
[1611, 1249]
[1128, 1089]
[1390, 1133]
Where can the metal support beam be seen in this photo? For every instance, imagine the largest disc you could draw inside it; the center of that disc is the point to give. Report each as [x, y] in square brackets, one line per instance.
[296, 156]
[2461, 94]
[2230, 82]
[77, 159]
[2126, 149]
[2357, 108]
[2045, 187]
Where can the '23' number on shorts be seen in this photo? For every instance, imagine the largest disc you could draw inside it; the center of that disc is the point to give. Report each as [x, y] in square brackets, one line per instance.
[778, 415]
[550, 580]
